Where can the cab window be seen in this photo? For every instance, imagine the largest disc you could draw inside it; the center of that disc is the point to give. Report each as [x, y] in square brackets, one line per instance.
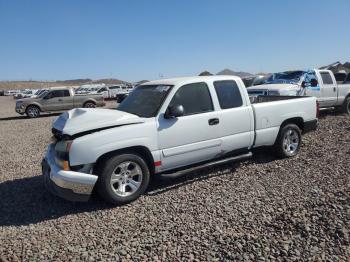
[103, 89]
[57, 93]
[187, 94]
[326, 78]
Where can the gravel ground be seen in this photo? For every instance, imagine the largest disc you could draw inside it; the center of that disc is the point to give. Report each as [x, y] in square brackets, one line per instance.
[259, 210]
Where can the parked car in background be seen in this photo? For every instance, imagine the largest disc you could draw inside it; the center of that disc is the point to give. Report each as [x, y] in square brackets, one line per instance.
[118, 92]
[25, 94]
[11, 92]
[169, 127]
[321, 84]
[56, 99]
[86, 89]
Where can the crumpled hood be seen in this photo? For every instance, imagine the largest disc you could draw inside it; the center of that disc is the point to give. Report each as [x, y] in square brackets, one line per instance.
[273, 87]
[86, 119]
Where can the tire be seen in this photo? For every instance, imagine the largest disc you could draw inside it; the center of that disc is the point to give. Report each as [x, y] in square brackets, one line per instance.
[288, 141]
[32, 111]
[346, 106]
[117, 184]
[89, 105]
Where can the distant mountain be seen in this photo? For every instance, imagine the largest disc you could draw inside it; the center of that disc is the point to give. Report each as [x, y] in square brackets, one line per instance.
[233, 73]
[205, 73]
[109, 81]
[338, 66]
[74, 81]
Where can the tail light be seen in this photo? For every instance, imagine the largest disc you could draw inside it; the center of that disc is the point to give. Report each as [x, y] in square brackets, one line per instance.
[317, 109]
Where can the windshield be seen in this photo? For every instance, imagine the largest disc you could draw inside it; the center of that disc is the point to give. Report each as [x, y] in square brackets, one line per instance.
[146, 100]
[289, 77]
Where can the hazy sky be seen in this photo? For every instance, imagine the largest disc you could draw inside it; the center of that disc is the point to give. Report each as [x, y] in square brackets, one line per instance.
[134, 40]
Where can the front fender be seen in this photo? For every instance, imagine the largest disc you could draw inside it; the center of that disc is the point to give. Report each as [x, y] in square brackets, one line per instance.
[87, 149]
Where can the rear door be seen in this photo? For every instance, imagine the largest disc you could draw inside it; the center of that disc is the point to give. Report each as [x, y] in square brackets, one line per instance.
[67, 100]
[194, 137]
[236, 118]
[329, 89]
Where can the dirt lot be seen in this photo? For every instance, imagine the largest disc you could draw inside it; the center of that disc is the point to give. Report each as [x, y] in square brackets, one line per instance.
[262, 209]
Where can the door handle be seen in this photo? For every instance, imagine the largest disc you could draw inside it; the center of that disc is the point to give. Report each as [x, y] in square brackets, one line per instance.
[213, 121]
[60, 100]
[334, 89]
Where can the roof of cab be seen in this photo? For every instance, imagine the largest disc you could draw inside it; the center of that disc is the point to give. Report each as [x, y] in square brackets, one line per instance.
[191, 79]
[58, 88]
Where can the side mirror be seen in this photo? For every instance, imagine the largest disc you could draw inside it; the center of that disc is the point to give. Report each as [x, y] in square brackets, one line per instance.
[313, 83]
[174, 111]
[303, 84]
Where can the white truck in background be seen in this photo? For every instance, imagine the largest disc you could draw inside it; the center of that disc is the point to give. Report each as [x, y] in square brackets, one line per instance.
[168, 127]
[321, 84]
[112, 92]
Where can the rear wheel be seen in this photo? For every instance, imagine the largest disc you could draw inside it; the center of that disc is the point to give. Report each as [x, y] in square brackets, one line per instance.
[32, 111]
[89, 105]
[288, 141]
[122, 178]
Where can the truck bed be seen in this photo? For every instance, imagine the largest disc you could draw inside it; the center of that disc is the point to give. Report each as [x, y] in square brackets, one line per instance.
[271, 111]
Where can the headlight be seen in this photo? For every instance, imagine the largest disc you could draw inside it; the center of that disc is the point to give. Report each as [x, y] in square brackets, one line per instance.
[63, 146]
[62, 149]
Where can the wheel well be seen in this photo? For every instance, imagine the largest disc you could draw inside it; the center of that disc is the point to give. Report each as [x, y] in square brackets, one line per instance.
[89, 101]
[295, 120]
[138, 150]
[33, 105]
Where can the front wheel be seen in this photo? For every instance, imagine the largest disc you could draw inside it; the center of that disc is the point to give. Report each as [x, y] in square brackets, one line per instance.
[122, 178]
[288, 141]
[89, 105]
[32, 111]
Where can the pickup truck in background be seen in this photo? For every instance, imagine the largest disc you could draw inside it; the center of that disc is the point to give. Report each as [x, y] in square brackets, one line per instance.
[25, 94]
[56, 99]
[169, 127]
[321, 84]
[112, 92]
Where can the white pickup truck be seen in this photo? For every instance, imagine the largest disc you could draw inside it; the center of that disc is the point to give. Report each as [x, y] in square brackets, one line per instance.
[321, 84]
[168, 127]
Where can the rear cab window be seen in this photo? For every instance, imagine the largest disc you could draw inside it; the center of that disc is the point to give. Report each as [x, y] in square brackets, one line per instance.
[228, 94]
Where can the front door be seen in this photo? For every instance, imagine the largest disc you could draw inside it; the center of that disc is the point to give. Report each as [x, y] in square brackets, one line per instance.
[193, 137]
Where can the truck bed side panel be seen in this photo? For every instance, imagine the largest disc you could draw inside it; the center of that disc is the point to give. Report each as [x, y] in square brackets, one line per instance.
[270, 115]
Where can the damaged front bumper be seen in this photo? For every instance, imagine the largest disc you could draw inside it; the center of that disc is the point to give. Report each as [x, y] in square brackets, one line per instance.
[70, 185]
